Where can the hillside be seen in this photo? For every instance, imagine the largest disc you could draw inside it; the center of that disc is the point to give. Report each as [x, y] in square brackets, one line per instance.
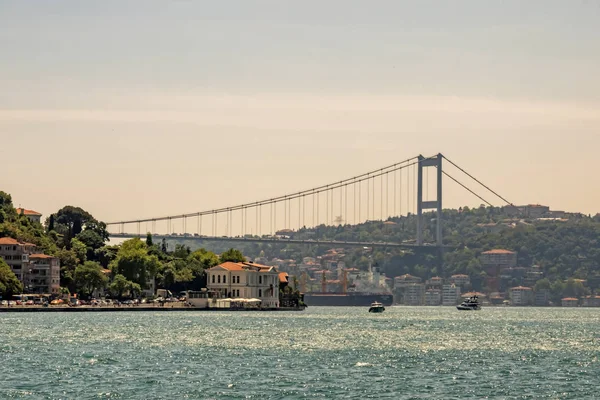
[568, 248]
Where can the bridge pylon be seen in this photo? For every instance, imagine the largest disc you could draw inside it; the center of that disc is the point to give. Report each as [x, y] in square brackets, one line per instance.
[436, 162]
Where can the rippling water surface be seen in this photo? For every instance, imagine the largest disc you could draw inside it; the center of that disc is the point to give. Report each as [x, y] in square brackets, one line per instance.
[329, 353]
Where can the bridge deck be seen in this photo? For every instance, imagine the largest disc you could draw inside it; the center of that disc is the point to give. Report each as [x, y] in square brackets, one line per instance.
[336, 243]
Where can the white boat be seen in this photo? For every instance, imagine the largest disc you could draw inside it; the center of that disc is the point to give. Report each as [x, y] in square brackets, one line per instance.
[472, 303]
[376, 308]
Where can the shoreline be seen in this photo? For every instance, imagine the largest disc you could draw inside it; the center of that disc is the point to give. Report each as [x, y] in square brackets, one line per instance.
[33, 309]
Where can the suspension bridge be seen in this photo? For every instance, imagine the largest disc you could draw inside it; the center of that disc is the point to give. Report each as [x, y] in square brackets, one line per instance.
[409, 187]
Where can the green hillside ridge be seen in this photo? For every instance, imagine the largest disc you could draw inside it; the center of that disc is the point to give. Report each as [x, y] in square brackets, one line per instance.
[563, 250]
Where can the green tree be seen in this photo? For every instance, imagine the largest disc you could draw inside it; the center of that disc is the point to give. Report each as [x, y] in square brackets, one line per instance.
[80, 250]
[134, 262]
[149, 242]
[106, 254]
[119, 286]
[92, 241]
[51, 223]
[71, 221]
[181, 251]
[89, 277]
[232, 255]
[9, 284]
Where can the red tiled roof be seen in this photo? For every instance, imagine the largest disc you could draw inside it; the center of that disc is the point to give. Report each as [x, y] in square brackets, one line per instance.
[570, 299]
[498, 251]
[460, 276]
[405, 276]
[283, 277]
[241, 266]
[40, 256]
[27, 212]
[8, 241]
[232, 266]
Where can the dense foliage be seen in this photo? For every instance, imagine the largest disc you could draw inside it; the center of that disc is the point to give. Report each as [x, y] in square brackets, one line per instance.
[9, 283]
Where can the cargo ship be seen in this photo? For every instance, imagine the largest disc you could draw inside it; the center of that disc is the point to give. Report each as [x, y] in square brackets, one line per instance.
[349, 299]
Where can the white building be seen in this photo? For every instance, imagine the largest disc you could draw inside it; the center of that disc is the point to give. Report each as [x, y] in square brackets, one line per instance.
[33, 216]
[414, 294]
[433, 297]
[521, 296]
[450, 295]
[245, 280]
[461, 280]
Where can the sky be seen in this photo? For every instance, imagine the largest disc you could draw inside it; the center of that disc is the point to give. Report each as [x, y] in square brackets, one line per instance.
[134, 109]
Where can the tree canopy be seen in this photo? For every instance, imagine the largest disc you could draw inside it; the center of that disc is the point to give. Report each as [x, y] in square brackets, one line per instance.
[134, 262]
[89, 277]
[9, 283]
[232, 255]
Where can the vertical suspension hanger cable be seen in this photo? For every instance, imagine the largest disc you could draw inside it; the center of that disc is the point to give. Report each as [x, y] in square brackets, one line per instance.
[345, 205]
[368, 197]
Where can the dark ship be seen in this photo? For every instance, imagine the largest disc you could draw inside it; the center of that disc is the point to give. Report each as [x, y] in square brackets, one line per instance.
[346, 298]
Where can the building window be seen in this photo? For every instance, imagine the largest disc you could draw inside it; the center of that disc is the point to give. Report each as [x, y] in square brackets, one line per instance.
[218, 278]
[224, 278]
[213, 279]
[259, 292]
[238, 279]
[260, 280]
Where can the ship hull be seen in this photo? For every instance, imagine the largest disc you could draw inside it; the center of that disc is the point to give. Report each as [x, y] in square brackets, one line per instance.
[347, 299]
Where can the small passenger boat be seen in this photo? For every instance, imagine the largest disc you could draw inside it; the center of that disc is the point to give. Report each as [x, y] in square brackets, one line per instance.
[472, 303]
[377, 308]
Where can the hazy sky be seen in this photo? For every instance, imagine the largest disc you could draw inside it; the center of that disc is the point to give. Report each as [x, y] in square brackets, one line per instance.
[144, 108]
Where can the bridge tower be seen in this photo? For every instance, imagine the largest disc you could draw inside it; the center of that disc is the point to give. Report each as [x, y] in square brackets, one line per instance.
[431, 204]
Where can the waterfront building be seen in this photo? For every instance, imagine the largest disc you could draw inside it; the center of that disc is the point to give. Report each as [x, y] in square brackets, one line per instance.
[33, 216]
[433, 297]
[435, 282]
[414, 294]
[450, 295]
[460, 280]
[245, 280]
[499, 258]
[591, 301]
[39, 273]
[541, 297]
[405, 280]
[521, 296]
[570, 302]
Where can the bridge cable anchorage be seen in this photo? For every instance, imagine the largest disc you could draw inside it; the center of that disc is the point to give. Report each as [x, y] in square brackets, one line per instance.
[315, 191]
[478, 181]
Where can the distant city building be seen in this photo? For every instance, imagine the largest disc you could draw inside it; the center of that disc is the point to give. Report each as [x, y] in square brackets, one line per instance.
[436, 282]
[33, 216]
[414, 294]
[39, 273]
[541, 297]
[570, 302]
[529, 211]
[405, 280]
[591, 301]
[450, 295]
[433, 297]
[461, 280]
[521, 296]
[499, 258]
[533, 275]
[245, 280]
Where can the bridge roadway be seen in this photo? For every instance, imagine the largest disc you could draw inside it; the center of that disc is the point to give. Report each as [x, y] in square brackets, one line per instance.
[334, 243]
